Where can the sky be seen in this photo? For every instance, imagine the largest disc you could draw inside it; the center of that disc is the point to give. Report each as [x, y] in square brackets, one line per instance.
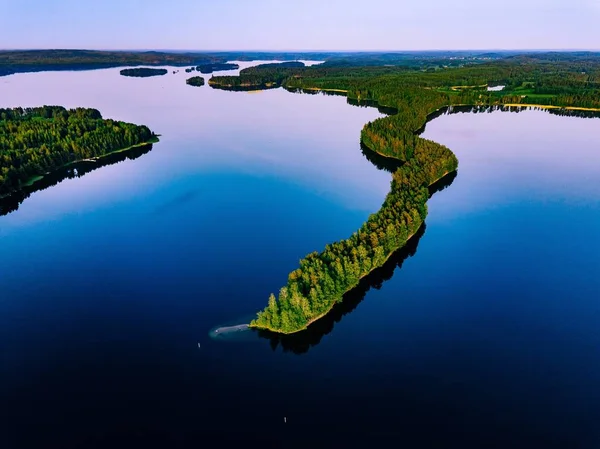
[300, 24]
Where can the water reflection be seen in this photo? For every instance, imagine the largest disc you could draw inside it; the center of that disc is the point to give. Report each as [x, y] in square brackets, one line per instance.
[301, 342]
[501, 108]
[384, 163]
[299, 90]
[391, 165]
[443, 183]
[351, 101]
[196, 125]
[387, 110]
[12, 202]
[574, 113]
[254, 87]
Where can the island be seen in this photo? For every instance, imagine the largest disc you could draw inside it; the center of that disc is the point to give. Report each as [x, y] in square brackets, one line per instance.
[35, 142]
[195, 81]
[216, 67]
[144, 72]
[412, 97]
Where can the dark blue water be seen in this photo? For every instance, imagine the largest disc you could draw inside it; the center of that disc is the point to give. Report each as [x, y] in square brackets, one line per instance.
[487, 336]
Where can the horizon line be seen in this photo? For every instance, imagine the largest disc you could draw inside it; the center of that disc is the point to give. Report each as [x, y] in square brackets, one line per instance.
[309, 51]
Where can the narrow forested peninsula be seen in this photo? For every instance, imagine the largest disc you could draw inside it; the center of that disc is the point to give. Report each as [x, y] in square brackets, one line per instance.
[143, 72]
[413, 96]
[195, 81]
[37, 141]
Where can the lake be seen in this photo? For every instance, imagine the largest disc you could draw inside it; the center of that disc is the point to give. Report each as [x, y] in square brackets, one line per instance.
[113, 283]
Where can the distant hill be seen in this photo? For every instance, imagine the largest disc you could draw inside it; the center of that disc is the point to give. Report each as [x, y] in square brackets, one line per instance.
[43, 60]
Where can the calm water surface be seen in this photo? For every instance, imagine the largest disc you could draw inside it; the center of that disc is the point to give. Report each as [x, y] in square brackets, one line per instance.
[110, 283]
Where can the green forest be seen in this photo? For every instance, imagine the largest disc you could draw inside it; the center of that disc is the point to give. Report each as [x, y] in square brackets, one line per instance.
[143, 72]
[16, 61]
[278, 65]
[195, 81]
[216, 67]
[36, 141]
[413, 96]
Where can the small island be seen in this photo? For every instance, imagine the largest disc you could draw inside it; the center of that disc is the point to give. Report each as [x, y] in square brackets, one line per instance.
[143, 72]
[35, 142]
[197, 81]
[216, 67]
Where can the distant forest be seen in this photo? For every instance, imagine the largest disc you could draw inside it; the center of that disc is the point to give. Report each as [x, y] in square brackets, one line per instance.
[15, 61]
[195, 81]
[279, 65]
[143, 72]
[43, 60]
[216, 67]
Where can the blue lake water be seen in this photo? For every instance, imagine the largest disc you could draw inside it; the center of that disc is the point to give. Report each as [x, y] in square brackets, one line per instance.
[110, 284]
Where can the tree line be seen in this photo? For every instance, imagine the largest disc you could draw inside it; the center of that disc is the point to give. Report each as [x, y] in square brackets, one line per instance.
[35, 141]
[143, 72]
[14, 61]
[197, 81]
[216, 67]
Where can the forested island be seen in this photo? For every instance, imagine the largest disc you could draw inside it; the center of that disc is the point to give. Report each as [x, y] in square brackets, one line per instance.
[197, 81]
[414, 97]
[37, 141]
[216, 67]
[143, 72]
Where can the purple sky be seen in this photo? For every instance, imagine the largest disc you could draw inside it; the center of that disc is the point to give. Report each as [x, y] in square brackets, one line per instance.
[300, 24]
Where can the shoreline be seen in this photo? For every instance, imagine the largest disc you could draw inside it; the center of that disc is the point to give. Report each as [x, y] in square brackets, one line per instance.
[322, 89]
[317, 318]
[429, 117]
[36, 178]
[548, 106]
